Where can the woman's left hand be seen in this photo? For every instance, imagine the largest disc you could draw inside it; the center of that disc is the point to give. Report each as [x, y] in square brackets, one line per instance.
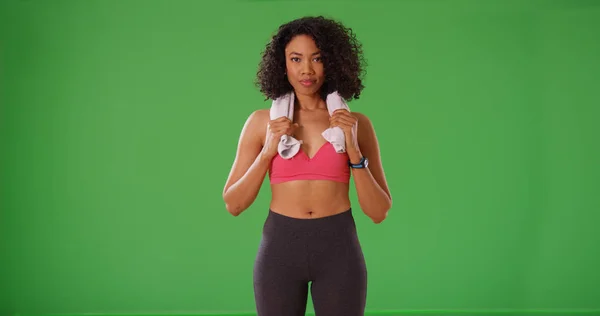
[349, 124]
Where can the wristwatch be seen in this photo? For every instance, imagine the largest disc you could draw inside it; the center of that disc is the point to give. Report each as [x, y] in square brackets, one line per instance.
[363, 163]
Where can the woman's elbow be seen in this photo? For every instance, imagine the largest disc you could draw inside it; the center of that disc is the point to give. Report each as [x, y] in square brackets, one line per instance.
[380, 218]
[234, 209]
[382, 214]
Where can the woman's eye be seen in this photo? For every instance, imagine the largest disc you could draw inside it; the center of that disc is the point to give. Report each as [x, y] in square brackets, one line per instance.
[295, 59]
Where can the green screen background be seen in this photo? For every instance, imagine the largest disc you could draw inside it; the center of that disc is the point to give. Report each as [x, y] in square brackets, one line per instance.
[120, 119]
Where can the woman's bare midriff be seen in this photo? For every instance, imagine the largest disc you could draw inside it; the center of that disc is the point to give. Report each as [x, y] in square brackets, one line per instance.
[309, 198]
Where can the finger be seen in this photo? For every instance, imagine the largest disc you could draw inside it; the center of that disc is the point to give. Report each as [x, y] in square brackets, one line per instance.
[341, 111]
[279, 126]
[340, 117]
[338, 121]
[347, 120]
[277, 135]
[341, 125]
[341, 121]
[293, 128]
[275, 128]
[281, 119]
[283, 130]
[285, 121]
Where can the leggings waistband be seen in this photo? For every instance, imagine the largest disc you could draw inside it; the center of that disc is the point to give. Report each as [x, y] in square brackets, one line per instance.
[343, 221]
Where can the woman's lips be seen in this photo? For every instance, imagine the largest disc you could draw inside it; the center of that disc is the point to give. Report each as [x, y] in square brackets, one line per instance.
[307, 82]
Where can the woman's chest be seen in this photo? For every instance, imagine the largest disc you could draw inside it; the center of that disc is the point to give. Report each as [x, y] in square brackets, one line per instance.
[311, 127]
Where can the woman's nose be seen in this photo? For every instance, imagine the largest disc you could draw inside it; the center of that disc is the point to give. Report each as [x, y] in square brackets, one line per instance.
[307, 68]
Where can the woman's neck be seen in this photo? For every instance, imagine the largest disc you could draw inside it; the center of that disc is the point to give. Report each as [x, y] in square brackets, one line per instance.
[310, 102]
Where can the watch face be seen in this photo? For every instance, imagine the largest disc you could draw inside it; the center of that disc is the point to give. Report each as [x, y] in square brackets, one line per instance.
[363, 163]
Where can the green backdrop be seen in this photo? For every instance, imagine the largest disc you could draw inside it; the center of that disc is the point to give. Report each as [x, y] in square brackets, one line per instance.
[119, 123]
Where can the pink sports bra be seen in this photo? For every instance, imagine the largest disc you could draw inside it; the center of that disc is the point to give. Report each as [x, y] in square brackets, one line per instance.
[327, 164]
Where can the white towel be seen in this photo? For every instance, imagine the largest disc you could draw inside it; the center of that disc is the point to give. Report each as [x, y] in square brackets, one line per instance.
[288, 146]
[335, 135]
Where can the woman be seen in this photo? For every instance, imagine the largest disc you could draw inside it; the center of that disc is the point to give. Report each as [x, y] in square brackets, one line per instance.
[309, 235]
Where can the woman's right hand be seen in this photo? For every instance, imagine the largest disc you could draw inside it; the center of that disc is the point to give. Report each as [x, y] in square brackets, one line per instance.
[275, 129]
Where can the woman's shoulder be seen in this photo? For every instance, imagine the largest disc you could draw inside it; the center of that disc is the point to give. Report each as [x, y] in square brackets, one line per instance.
[261, 114]
[359, 115]
[366, 130]
[362, 118]
[259, 118]
[256, 122]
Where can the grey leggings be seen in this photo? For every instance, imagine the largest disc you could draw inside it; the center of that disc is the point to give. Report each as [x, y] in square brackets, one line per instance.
[323, 252]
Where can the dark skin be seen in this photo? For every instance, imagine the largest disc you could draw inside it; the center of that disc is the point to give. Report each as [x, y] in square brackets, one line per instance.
[307, 198]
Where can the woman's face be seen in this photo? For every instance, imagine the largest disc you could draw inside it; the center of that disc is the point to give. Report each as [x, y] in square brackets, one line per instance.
[303, 65]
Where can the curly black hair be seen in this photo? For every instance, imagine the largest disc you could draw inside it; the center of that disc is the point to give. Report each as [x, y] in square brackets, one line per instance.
[341, 52]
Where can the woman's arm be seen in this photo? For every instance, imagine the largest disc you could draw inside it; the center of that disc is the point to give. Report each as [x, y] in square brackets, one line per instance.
[249, 167]
[371, 186]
